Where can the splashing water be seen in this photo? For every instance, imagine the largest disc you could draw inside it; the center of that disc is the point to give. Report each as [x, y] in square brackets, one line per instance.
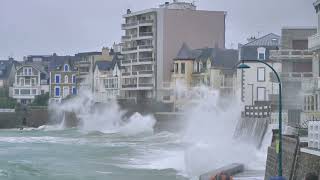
[102, 117]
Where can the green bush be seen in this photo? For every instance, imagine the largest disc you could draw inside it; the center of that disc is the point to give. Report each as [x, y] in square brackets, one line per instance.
[41, 100]
[7, 103]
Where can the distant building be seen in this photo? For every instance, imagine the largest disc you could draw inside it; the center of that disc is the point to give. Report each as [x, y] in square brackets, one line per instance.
[256, 82]
[107, 77]
[85, 65]
[210, 67]
[152, 38]
[296, 70]
[30, 80]
[7, 72]
[62, 77]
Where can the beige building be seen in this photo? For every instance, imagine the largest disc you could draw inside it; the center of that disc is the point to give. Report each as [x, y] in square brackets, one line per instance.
[154, 36]
[210, 67]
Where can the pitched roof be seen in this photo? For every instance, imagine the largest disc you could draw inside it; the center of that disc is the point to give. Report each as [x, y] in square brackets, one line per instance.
[220, 58]
[117, 57]
[59, 61]
[185, 53]
[104, 65]
[88, 53]
[225, 58]
[5, 68]
[267, 40]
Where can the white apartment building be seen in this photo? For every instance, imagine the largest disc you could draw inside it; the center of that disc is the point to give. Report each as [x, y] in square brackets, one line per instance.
[30, 81]
[154, 36]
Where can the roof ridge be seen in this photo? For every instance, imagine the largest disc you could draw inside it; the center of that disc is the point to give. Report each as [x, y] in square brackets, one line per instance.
[260, 38]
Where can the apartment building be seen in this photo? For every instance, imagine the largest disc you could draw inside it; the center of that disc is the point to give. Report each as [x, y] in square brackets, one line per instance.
[152, 38]
[256, 83]
[296, 70]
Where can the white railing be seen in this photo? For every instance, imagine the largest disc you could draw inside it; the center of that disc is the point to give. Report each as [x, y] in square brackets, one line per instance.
[314, 42]
[314, 134]
[8, 110]
[290, 54]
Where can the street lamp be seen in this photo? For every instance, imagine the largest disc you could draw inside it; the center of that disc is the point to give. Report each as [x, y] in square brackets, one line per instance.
[279, 143]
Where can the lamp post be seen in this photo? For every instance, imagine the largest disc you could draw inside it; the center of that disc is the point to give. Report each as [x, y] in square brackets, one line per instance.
[279, 145]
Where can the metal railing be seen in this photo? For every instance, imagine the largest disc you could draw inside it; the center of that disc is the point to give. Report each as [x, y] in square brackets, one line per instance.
[145, 59]
[145, 85]
[129, 85]
[290, 54]
[142, 34]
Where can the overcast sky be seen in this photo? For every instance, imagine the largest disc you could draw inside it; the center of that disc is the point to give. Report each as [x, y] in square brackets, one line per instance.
[70, 26]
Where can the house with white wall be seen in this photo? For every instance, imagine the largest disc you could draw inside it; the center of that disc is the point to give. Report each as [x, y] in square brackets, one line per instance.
[257, 83]
[107, 79]
[30, 81]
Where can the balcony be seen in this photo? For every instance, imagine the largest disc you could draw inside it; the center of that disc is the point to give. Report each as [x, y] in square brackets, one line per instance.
[295, 75]
[314, 42]
[290, 54]
[129, 37]
[146, 59]
[129, 86]
[129, 48]
[144, 34]
[129, 25]
[135, 23]
[145, 85]
[126, 74]
[145, 47]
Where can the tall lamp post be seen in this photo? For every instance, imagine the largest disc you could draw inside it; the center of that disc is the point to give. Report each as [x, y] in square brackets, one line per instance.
[279, 145]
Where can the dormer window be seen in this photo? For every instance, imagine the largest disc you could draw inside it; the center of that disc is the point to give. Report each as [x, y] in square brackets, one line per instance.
[261, 53]
[66, 67]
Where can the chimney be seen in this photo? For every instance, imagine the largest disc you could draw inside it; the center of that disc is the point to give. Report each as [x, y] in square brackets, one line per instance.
[252, 38]
[128, 11]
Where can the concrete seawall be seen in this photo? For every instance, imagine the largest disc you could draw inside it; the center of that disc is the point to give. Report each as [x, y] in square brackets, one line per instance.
[297, 159]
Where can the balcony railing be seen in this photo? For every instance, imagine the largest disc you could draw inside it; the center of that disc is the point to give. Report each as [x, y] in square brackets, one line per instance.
[129, 37]
[142, 34]
[145, 72]
[126, 74]
[129, 48]
[290, 54]
[145, 85]
[295, 75]
[129, 85]
[145, 47]
[146, 59]
[129, 24]
[126, 25]
[314, 42]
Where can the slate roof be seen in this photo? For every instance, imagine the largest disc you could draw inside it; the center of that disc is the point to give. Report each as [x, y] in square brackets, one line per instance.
[60, 61]
[104, 65]
[220, 58]
[88, 53]
[5, 68]
[267, 40]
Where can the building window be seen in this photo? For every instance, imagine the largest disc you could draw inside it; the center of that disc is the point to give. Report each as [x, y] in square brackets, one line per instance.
[25, 91]
[57, 91]
[73, 78]
[261, 74]
[74, 90]
[34, 91]
[176, 68]
[57, 78]
[16, 91]
[22, 81]
[66, 80]
[261, 93]
[183, 68]
[66, 67]
[261, 53]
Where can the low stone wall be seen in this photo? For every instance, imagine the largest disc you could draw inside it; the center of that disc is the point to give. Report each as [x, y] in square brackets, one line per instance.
[27, 117]
[307, 163]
